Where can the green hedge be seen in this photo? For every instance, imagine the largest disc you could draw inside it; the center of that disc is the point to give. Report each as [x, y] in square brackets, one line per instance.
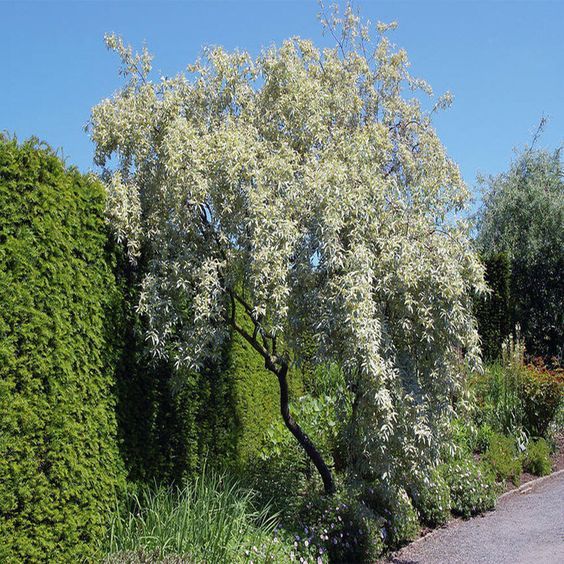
[255, 396]
[59, 461]
[170, 424]
[493, 311]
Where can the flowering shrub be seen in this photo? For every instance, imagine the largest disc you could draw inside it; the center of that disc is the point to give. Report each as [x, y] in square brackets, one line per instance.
[431, 498]
[537, 458]
[472, 487]
[516, 398]
[345, 527]
[401, 520]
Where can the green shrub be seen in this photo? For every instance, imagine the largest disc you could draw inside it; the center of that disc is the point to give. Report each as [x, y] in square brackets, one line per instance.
[391, 501]
[542, 397]
[537, 458]
[463, 434]
[431, 498]
[59, 342]
[343, 527]
[514, 398]
[212, 519]
[484, 437]
[472, 487]
[280, 472]
[503, 458]
[499, 397]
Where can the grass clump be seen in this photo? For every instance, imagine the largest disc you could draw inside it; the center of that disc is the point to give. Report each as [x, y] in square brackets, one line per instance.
[212, 519]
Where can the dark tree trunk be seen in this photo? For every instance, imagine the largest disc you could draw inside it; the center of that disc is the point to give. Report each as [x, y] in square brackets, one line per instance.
[306, 443]
[278, 365]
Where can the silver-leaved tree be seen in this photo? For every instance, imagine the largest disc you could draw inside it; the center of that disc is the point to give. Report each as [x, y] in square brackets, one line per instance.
[306, 192]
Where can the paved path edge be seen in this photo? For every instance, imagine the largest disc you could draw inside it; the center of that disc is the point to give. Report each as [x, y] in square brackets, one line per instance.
[529, 484]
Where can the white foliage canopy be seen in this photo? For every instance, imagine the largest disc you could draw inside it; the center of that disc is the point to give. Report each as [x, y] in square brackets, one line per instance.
[313, 181]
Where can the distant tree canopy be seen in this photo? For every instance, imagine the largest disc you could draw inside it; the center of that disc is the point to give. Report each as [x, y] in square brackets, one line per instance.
[300, 193]
[59, 460]
[523, 216]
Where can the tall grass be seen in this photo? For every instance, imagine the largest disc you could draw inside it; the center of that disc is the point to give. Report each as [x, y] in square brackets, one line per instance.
[500, 392]
[212, 519]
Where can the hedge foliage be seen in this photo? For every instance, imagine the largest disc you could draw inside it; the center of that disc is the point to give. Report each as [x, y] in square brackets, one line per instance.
[59, 461]
[256, 396]
[492, 311]
[170, 423]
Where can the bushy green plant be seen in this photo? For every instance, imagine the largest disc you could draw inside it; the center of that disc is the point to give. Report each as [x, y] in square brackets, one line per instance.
[472, 486]
[499, 397]
[503, 458]
[543, 394]
[536, 459]
[59, 343]
[211, 519]
[343, 527]
[280, 472]
[513, 397]
[484, 437]
[393, 503]
[464, 436]
[431, 497]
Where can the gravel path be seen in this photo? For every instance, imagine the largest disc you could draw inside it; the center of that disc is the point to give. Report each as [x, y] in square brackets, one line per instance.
[527, 527]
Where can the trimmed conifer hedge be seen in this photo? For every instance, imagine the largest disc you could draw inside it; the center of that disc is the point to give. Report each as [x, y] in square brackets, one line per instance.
[59, 460]
[493, 311]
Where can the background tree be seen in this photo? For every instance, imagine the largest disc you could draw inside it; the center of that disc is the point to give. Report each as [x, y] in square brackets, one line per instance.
[523, 216]
[299, 193]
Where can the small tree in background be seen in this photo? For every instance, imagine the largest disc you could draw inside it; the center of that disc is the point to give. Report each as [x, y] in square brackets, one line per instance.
[293, 194]
[523, 216]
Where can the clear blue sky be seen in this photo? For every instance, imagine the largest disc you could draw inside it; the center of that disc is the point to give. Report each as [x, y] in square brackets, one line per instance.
[503, 61]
